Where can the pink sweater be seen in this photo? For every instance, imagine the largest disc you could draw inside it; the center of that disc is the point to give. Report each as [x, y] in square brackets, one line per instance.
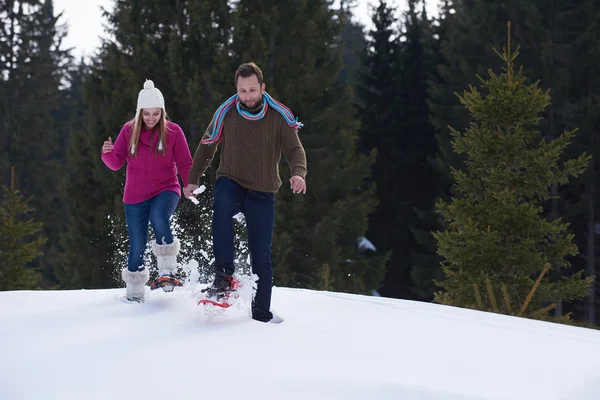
[150, 173]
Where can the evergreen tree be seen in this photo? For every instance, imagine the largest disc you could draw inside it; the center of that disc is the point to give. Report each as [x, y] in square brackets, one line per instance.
[498, 244]
[394, 115]
[85, 248]
[426, 263]
[551, 36]
[569, 55]
[17, 247]
[297, 45]
[588, 83]
[352, 39]
[418, 146]
[463, 30]
[33, 69]
[466, 27]
[379, 94]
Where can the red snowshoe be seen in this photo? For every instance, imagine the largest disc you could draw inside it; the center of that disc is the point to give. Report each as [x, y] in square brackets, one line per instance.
[219, 293]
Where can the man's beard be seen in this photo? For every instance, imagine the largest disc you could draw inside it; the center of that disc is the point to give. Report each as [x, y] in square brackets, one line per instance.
[255, 104]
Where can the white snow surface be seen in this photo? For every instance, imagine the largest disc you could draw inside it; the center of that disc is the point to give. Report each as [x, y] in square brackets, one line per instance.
[90, 344]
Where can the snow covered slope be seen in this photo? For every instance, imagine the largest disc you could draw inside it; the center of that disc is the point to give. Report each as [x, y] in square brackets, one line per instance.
[90, 345]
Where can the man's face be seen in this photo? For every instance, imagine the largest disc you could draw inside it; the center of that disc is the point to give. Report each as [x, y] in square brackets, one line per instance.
[250, 91]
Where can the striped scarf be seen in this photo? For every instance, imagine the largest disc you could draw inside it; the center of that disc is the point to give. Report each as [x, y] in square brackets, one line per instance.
[215, 133]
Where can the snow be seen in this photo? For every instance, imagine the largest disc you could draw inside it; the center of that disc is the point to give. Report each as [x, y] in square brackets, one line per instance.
[197, 191]
[90, 344]
[364, 243]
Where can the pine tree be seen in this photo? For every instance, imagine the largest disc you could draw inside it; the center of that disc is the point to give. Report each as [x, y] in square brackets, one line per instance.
[378, 95]
[420, 57]
[394, 115]
[83, 262]
[466, 27]
[550, 34]
[417, 146]
[587, 111]
[426, 263]
[573, 61]
[352, 38]
[297, 45]
[33, 67]
[17, 247]
[499, 249]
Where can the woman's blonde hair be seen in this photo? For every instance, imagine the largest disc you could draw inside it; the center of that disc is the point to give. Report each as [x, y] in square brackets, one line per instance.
[136, 128]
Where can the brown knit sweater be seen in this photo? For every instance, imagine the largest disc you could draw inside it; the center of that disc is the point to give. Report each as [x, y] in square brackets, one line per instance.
[251, 151]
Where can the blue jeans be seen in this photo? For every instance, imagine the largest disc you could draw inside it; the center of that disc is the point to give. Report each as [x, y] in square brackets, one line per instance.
[259, 210]
[157, 211]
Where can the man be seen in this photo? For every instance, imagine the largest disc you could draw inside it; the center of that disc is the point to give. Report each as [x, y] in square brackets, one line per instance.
[253, 130]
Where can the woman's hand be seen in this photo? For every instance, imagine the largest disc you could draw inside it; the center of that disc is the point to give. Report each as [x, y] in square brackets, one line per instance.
[108, 146]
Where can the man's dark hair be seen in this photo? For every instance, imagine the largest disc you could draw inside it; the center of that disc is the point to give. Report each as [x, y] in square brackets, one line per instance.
[248, 69]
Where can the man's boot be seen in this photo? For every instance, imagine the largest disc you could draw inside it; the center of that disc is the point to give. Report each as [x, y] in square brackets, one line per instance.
[221, 286]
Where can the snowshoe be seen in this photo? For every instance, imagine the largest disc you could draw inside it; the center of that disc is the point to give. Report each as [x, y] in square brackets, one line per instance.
[166, 282]
[219, 293]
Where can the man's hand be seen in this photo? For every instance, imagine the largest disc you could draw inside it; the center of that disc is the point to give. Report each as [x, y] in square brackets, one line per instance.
[298, 184]
[189, 189]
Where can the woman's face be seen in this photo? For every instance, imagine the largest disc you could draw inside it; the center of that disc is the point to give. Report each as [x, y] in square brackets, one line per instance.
[151, 117]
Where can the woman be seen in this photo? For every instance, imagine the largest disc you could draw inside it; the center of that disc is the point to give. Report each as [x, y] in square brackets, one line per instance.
[155, 150]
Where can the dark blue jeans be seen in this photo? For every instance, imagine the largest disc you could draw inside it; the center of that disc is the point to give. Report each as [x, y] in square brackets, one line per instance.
[157, 211]
[259, 211]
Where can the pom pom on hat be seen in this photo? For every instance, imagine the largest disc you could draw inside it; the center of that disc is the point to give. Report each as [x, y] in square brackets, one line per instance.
[150, 97]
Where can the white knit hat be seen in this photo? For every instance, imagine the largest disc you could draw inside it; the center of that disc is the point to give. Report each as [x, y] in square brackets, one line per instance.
[150, 97]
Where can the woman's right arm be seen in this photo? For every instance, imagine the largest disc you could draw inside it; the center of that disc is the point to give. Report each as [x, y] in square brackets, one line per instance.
[115, 158]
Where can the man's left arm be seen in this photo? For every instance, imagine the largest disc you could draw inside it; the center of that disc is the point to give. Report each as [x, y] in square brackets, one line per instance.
[296, 157]
[293, 150]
